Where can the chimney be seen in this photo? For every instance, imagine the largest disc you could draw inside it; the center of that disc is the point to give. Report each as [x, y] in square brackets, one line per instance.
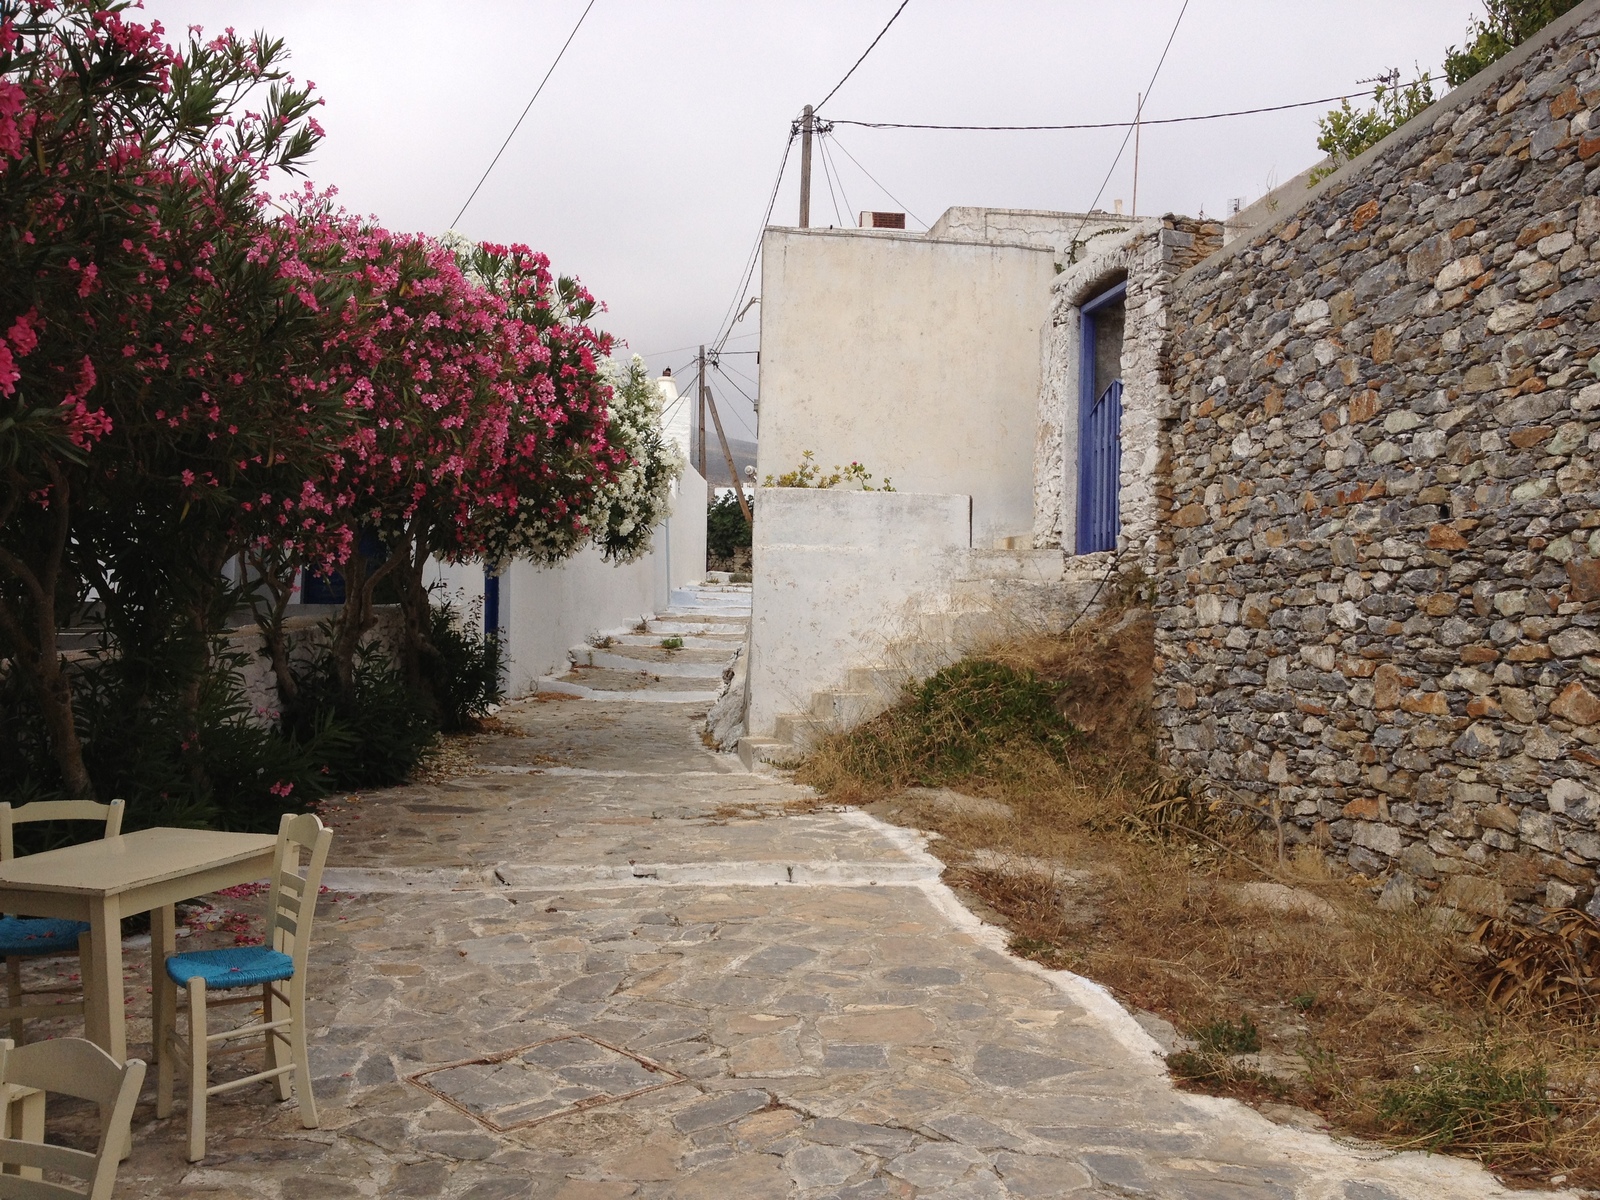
[883, 220]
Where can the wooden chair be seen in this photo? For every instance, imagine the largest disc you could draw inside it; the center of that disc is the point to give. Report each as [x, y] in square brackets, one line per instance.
[38, 937]
[280, 960]
[70, 1067]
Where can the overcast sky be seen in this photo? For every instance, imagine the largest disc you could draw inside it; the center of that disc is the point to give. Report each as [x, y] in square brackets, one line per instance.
[645, 166]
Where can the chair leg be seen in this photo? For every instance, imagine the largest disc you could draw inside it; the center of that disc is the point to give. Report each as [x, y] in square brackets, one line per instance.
[14, 995]
[197, 1069]
[302, 1060]
[30, 1128]
[277, 1053]
[164, 1036]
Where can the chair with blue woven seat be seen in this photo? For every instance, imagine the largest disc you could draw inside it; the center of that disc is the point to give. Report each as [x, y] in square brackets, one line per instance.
[40, 937]
[277, 967]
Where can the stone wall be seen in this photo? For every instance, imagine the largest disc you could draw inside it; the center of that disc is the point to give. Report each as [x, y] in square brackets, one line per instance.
[1379, 567]
[1149, 256]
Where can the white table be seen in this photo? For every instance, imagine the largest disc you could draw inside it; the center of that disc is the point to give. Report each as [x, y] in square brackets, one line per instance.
[105, 880]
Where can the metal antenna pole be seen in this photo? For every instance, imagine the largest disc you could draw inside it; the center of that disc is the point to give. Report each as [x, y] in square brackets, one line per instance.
[807, 123]
[1138, 112]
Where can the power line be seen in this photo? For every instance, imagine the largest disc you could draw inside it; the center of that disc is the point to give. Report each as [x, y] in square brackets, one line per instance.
[864, 54]
[869, 175]
[1242, 112]
[725, 329]
[827, 176]
[518, 125]
[832, 168]
[1123, 148]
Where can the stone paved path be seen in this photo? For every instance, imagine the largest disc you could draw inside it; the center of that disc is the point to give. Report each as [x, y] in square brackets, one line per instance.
[812, 1013]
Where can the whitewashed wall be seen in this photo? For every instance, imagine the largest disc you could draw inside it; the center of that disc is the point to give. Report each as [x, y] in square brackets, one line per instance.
[918, 357]
[836, 575]
[546, 610]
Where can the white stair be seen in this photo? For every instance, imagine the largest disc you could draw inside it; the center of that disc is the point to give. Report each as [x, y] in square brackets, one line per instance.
[999, 593]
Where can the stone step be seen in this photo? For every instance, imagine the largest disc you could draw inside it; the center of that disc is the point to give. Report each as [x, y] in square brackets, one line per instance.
[800, 730]
[756, 752]
[1042, 566]
[678, 627]
[681, 668]
[844, 709]
[726, 642]
[640, 696]
[882, 680]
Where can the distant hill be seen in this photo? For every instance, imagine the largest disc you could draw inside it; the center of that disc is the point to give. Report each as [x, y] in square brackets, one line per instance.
[744, 455]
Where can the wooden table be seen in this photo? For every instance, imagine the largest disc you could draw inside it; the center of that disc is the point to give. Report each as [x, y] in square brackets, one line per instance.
[105, 880]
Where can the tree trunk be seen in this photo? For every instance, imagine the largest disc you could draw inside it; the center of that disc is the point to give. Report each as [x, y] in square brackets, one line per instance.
[420, 658]
[200, 613]
[38, 655]
[269, 620]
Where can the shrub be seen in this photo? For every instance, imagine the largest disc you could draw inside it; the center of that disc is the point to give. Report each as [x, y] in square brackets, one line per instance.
[1470, 1103]
[468, 679]
[1505, 26]
[384, 726]
[726, 529]
[222, 769]
[955, 723]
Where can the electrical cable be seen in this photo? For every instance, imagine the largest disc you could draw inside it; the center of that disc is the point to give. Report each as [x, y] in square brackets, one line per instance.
[1117, 551]
[827, 157]
[1241, 112]
[841, 146]
[827, 177]
[735, 386]
[725, 328]
[518, 125]
[863, 58]
[1160, 62]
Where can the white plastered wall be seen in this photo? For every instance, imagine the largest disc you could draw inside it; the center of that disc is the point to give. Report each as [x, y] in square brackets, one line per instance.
[544, 611]
[836, 575]
[918, 357]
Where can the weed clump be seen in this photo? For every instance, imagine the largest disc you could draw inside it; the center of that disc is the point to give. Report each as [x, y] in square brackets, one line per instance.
[957, 722]
[1473, 1103]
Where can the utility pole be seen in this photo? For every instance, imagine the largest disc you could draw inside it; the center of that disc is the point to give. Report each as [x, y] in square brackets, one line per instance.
[700, 388]
[807, 123]
[1138, 113]
[727, 455]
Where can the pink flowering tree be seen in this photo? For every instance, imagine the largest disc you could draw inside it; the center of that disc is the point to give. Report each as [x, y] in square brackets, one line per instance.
[475, 428]
[148, 316]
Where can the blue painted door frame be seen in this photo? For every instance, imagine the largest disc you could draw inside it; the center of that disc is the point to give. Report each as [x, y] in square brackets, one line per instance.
[1099, 437]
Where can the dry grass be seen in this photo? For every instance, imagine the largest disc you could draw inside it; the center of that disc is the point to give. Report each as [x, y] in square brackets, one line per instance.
[1383, 1022]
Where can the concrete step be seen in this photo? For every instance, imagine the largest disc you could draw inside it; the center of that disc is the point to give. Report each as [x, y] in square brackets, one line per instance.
[882, 680]
[843, 709]
[757, 752]
[800, 730]
[639, 696]
[665, 665]
[1042, 566]
[725, 642]
[678, 627]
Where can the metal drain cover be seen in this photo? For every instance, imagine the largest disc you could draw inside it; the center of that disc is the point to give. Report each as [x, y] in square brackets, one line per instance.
[544, 1080]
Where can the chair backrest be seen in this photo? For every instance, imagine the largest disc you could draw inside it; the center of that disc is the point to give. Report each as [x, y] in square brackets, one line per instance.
[292, 899]
[71, 1067]
[55, 810]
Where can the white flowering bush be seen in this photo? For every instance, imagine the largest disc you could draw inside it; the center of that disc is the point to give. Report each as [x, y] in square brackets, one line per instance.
[639, 494]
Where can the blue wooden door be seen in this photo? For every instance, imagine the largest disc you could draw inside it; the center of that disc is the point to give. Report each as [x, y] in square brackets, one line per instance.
[1100, 422]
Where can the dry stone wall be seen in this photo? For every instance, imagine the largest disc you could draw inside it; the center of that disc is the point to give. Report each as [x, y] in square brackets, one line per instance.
[1149, 257]
[1379, 562]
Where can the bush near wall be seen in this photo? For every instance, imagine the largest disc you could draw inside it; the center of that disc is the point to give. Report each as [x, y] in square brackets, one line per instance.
[1379, 611]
